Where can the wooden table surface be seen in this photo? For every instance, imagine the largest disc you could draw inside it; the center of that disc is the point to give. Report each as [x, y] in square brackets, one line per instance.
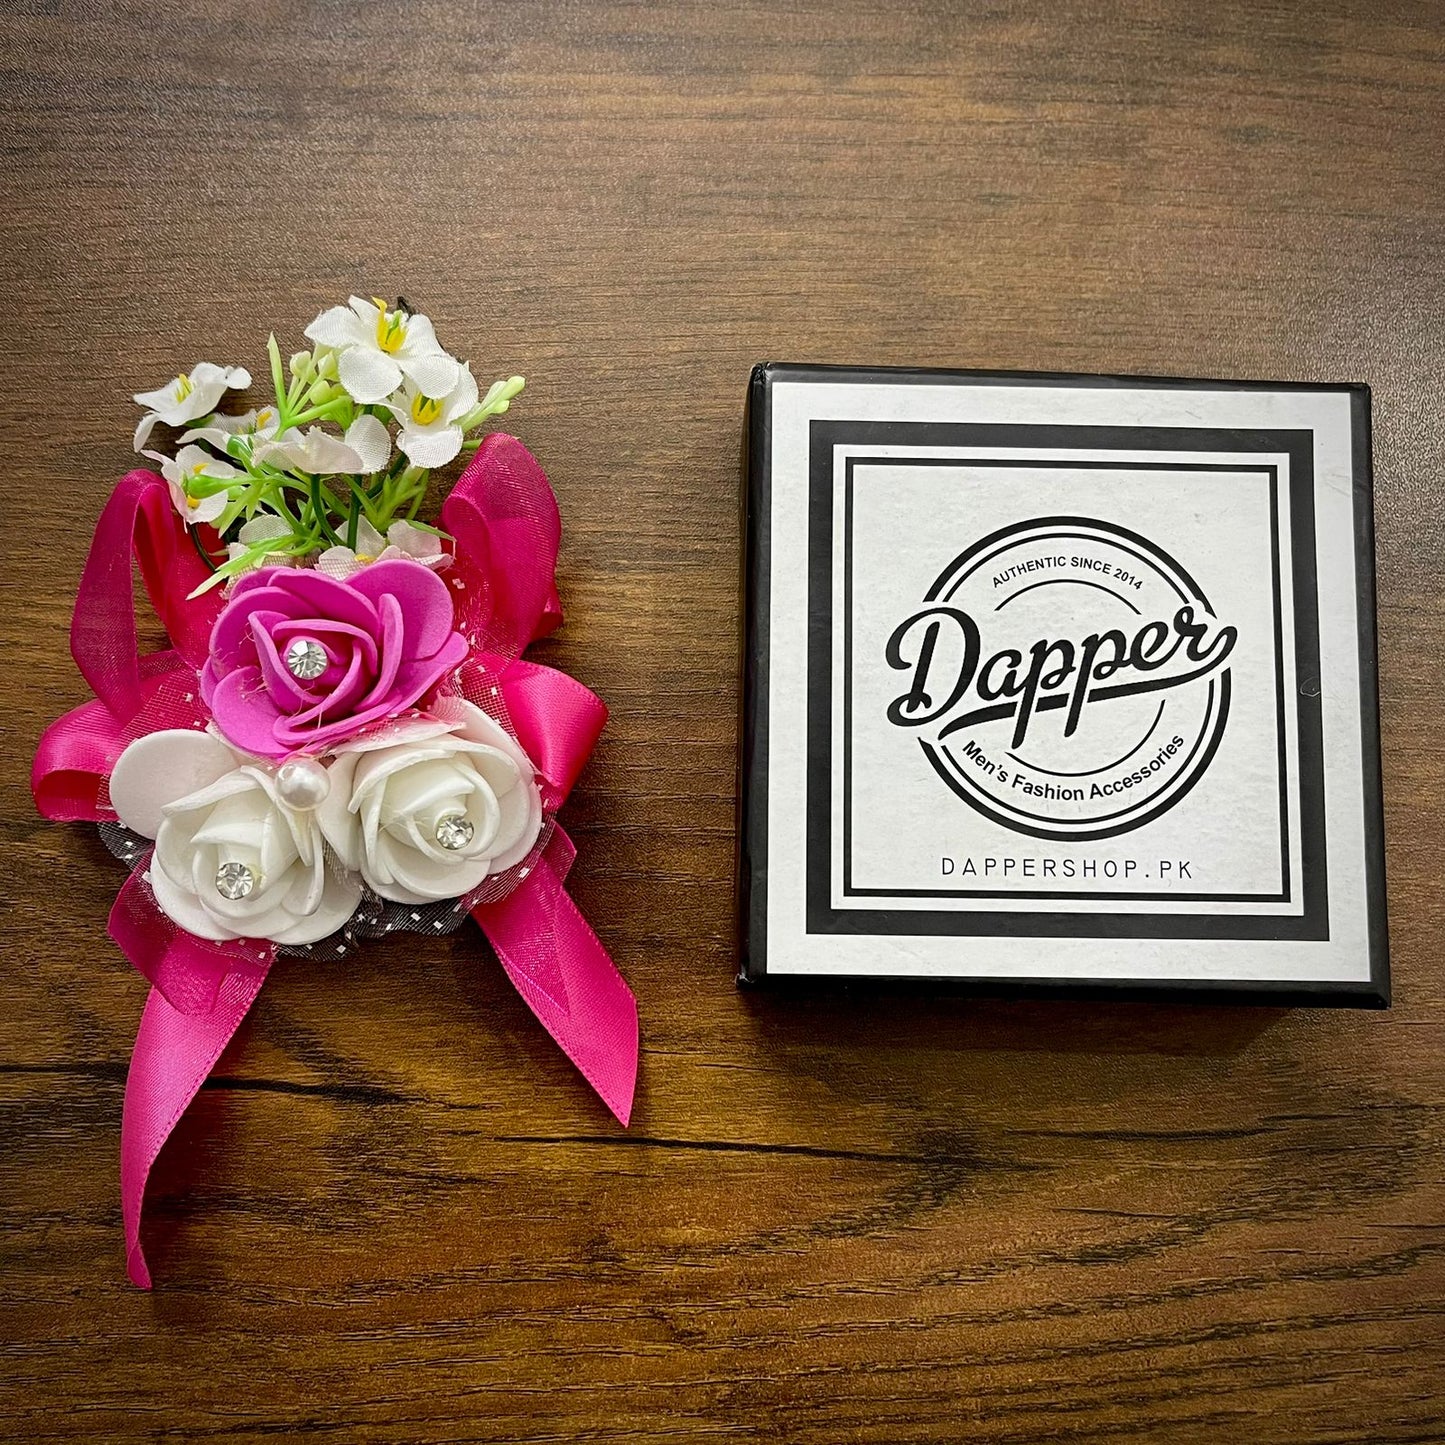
[396, 1214]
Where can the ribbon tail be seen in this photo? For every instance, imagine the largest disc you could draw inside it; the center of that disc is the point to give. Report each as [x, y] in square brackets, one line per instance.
[537, 930]
[174, 1054]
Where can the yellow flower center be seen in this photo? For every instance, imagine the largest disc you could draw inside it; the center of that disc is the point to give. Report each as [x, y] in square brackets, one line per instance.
[183, 387]
[193, 502]
[365, 557]
[425, 409]
[263, 418]
[390, 327]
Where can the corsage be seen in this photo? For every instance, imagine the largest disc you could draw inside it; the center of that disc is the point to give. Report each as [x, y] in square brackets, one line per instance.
[342, 739]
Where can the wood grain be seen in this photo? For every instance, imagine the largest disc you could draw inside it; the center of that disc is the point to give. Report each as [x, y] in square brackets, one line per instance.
[396, 1214]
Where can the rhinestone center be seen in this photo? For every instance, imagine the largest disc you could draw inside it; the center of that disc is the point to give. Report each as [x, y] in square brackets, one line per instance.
[453, 832]
[306, 659]
[234, 881]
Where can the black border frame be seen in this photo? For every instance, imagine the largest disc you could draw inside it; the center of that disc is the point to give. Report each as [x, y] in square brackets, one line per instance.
[1311, 925]
[753, 701]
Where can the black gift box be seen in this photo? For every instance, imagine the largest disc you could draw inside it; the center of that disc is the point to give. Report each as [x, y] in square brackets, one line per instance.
[1061, 684]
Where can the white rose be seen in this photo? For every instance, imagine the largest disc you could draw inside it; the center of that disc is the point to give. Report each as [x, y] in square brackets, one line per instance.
[233, 858]
[441, 803]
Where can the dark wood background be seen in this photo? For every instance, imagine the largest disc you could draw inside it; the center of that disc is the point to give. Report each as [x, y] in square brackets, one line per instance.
[397, 1214]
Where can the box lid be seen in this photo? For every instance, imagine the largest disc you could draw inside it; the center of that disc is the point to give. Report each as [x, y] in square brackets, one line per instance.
[1061, 683]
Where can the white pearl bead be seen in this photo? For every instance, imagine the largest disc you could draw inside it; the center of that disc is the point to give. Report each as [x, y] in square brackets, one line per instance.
[303, 784]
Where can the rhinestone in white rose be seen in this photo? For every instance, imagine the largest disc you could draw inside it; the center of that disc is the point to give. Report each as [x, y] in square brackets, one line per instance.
[427, 810]
[233, 857]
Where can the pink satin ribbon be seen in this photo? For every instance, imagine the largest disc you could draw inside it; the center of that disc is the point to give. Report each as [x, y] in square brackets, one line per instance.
[138, 524]
[565, 976]
[173, 1056]
[503, 517]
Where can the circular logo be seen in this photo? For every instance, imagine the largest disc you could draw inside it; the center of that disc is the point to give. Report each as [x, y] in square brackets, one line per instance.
[1067, 677]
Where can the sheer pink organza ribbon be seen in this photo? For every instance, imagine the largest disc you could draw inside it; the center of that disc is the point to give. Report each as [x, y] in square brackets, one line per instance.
[504, 519]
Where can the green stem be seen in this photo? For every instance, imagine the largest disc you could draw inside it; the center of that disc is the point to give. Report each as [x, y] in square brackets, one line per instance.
[325, 412]
[283, 509]
[200, 550]
[319, 511]
[359, 496]
[258, 484]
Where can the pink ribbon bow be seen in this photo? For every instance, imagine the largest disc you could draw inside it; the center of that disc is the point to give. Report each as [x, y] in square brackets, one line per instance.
[503, 517]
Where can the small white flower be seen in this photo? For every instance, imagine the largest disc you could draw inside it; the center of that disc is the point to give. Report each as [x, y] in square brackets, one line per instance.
[364, 449]
[232, 858]
[431, 434]
[189, 463]
[377, 347]
[441, 804]
[188, 397]
[260, 528]
[401, 540]
[341, 561]
[251, 426]
[417, 543]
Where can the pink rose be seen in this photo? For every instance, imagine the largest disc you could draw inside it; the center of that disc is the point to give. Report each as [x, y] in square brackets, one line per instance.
[300, 660]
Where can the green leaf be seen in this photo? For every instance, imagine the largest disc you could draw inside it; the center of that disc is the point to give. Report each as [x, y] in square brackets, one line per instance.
[244, 562]
[278, 374]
